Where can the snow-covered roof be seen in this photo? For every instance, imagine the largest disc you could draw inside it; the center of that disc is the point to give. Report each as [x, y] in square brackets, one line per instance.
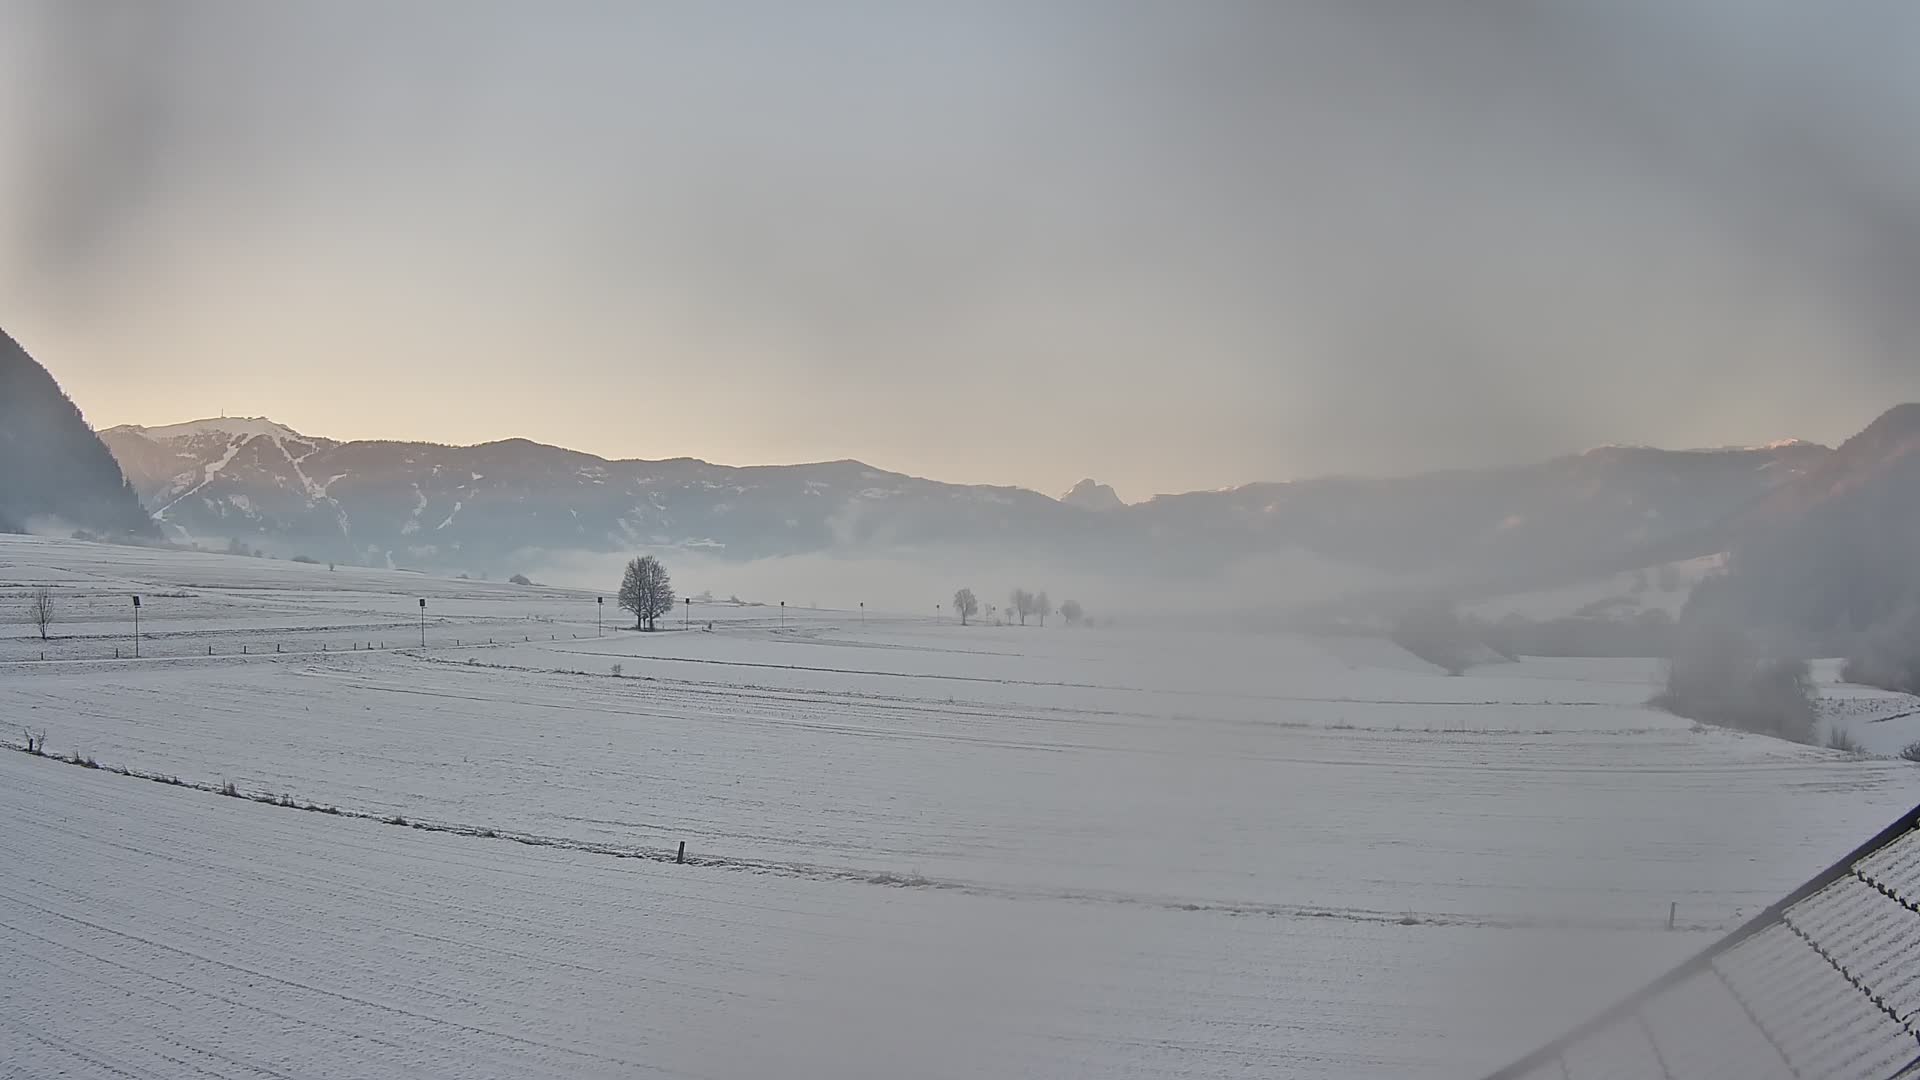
[1826, 983]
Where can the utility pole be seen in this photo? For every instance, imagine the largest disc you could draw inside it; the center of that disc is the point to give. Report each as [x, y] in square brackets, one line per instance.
[783, 613]
[136, 628]
[423, 622]
[863, 614]
[599, 616]
[686, 612]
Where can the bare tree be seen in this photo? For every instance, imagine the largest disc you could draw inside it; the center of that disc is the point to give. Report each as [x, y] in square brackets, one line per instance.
[1071, 611]
[966, 604]
[1042, 606]
[40, 609]
[1020, 602]
[647, 591]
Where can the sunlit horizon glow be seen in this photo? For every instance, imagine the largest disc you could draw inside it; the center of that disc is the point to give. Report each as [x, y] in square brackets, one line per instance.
[1170, 248]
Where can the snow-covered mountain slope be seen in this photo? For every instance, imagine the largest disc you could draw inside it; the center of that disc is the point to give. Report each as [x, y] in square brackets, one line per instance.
[1610, 509]
[1832, 554]
[426, 504]
[423, 504]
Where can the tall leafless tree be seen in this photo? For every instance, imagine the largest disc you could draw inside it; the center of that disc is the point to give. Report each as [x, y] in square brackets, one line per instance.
[1020, 602]
[966, 604]
[647, 591]
[1042, 606]
[40, 609]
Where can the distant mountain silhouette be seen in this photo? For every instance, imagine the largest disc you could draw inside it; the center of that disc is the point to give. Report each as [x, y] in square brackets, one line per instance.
[425, 505]
[1835, 552]
[472, 507]
[54, 470]
[1089, 495]
[1611, 508]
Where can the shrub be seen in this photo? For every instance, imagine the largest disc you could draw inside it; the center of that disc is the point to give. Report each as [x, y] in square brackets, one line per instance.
[519, 579]
[229, 790]
[308, 559]
[1716, 678]
[1912, 752]
[1839, 739]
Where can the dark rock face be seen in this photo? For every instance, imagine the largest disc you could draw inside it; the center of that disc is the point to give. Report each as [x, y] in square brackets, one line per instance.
[54, 471]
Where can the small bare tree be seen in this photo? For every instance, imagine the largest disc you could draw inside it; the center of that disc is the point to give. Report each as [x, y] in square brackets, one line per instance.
[40, 609]
[647, 591]
[966, 604]
[1071, 611]
[1042, 606]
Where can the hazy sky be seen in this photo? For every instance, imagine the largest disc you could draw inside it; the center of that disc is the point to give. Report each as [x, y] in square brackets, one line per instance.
[1169, 245]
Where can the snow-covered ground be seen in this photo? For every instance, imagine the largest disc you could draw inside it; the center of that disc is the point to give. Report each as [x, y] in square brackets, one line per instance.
[1881, 722]
[915, 848]
[1623, 595]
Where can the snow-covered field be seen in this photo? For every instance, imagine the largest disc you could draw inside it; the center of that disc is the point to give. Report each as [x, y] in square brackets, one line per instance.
[914, 848]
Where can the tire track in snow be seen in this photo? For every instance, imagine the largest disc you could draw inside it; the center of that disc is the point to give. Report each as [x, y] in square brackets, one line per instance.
[853, 875]
[297, 985]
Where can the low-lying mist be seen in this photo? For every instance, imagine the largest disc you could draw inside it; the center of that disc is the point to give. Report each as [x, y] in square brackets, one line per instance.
[915, 582]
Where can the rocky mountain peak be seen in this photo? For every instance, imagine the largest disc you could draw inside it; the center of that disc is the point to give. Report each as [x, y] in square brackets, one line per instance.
[1089, 494]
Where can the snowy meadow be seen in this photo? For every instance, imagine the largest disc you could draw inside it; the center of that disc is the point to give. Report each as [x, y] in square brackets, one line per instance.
[910, 847]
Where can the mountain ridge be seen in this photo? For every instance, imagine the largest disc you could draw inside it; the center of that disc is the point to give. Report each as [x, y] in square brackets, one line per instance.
[432, 504]
[382, 499]
[269, 426]
[1830, 557]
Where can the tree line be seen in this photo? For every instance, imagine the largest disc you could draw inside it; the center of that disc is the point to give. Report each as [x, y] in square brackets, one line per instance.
[1021, 604]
